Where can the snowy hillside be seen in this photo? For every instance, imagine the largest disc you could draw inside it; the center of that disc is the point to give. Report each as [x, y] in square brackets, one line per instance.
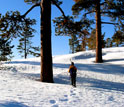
[98, 85]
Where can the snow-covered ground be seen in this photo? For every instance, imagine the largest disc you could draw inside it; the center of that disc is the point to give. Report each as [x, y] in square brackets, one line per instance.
[98, 85]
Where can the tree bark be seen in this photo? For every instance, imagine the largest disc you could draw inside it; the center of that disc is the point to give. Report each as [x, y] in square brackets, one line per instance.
[25, 44]
[98, 34]
[46, 53]
[84, 43]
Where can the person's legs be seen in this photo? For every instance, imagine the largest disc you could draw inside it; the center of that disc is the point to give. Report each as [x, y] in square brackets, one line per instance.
[71, 80]
[74, 80]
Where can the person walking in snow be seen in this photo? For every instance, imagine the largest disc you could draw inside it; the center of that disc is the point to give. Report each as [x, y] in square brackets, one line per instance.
[73, 72]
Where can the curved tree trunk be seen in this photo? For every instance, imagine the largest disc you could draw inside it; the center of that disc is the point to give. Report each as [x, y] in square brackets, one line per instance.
[98, 34]
[46, 54]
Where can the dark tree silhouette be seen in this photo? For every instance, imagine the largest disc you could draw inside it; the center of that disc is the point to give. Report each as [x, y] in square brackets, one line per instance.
[5, 49]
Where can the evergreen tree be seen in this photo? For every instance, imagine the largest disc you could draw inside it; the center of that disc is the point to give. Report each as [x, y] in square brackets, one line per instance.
[74, 44]
[5, 49]
[103, 41]
[111, 8]
[92, 40]
[12, 24]
[109, 42]
[118, 38]
[68, 27]
[83, 36]
[46, 51]
[79, 42]
[78, 47]
[25, 45]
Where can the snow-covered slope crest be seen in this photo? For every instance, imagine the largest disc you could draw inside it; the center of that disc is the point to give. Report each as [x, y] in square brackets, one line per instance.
[98, 85]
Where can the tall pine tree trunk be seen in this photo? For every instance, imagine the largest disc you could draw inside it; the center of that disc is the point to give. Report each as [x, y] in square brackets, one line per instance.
[46, 54]
[84, 43]
[98, 34]
[25, 47]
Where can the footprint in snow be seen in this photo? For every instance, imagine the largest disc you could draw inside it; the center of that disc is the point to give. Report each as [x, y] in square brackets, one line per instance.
[111, 98]
[72, 93]
[65, 95]
[63, 99]
[52, 101]
[55, 106]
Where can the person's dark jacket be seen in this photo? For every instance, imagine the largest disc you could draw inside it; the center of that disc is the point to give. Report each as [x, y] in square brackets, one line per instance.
[72, 70]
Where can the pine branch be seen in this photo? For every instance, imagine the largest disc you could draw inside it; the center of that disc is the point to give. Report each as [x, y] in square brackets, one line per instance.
[103, 3]
[38, 4]
[109, 23]
[54, 2]
[113, 13]
[89, 12]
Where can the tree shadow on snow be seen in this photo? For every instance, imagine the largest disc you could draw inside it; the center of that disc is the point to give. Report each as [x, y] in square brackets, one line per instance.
[84, 56]
[31, 76]
[101, 84]
[57, 65]
[104, 68]
[12, 104]
[62, 79]
[113, 60]
[24, 62]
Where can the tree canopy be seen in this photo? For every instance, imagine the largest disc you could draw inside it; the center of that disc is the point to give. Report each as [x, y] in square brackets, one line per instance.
[12, 24]
[5, 49]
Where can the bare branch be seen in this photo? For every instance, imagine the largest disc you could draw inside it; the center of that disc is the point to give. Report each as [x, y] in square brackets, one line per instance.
[103, 3]
[89, 12]
[38, 4]
[113, 13]
[54, 2]
[107, 12]
[109, 23]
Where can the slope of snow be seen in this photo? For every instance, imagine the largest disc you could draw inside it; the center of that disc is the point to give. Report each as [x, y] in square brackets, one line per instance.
[98, 85]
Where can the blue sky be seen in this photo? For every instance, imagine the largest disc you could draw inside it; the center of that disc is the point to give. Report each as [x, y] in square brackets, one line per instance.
[60, 44]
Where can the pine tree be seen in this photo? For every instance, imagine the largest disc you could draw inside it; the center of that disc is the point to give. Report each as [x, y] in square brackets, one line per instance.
[103, 41]
[74, 44]
[68, 27]
[5, 49]
[92, 40]
[109, 42]
[118, 38]
[78, 47]
[46, 51]
[83, 36]
[111, 8]
[25, 45]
